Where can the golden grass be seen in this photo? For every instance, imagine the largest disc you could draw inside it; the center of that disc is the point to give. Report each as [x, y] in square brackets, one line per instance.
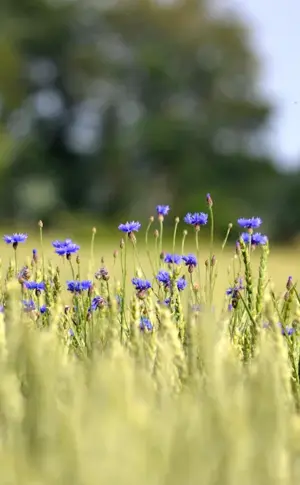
[117, 421]
[66, 422]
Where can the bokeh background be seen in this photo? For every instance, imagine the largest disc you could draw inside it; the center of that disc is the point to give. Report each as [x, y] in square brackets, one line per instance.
[109, 107]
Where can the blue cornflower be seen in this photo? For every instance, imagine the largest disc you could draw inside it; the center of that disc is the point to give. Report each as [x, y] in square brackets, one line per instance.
[162, 210]
[129, 227]
[67, 249]
[34, 285]
[29, 305]
[197, 219]
[97, 302]
[164, 277]
[141, 285]
[78, 286]
[70, 332]
[251, 223]
[190, 260]
[145, 324]
[165, 302]
[235, 289]
[1, 309]
[256, 239]
[15, 239]
[259, 239]
[34, 256]
[43, 309]
[172, 258]
[286, 330]
[181, 283]
[61, 244]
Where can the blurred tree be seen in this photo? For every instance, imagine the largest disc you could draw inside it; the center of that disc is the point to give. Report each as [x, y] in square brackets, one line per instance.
[112, 106]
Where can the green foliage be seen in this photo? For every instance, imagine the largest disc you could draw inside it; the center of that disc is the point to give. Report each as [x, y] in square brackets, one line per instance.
[164, 96]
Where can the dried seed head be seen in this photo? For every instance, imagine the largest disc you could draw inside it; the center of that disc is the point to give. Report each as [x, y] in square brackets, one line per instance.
[196, 287]
[24, 274]
[209, 200]
[102, 274]
[289, 283]
[132, 237]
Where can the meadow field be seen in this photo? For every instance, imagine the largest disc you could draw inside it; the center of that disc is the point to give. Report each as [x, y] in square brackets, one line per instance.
[159, 380]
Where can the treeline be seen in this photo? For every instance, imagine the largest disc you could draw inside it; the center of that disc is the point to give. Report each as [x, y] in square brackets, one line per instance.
[109, 108]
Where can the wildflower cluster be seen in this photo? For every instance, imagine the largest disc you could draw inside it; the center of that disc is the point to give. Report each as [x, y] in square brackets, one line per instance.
[65, 248]
[178, 281]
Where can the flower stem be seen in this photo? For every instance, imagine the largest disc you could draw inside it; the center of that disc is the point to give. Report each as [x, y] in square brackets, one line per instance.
[42, 249]
[124, 270]
[198, 259]
[226, 237]
[147, 247]
[211, 212]
[183, 241]
[91, 264]
[174, 234]
[161, 223]
[16, 262]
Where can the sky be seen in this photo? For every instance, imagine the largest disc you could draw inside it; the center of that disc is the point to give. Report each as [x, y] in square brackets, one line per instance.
[275, 27]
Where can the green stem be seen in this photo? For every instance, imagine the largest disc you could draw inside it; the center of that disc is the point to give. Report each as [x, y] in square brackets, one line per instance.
[161, 223]
[247, 310]
[198, 259]
[174, 241]
[174, 234]
[211, 212]
[192, 288]
[157, 257]
[226, 237]
[91, 265]
[147, 247]
[137, 258]
[75, 295]
[124, 269]
[183, 241]
[42, 250]
[16, 262]
[72, 268]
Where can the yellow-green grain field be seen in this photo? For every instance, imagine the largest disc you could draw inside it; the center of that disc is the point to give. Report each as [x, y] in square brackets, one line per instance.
[207, 397]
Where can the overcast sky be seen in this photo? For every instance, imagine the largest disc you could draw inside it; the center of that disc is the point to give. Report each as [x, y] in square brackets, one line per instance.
[276, 35]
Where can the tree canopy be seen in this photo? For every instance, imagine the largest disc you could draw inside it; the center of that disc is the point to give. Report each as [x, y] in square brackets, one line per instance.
[111, 107]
